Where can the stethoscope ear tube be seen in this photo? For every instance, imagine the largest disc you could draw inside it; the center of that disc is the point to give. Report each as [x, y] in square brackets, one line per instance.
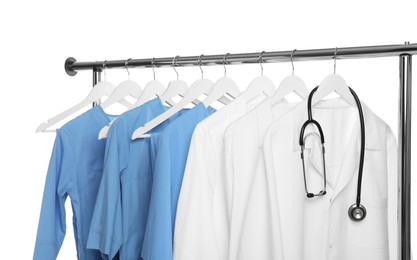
[310, 120]
[303, 128]
[302, 143]
[323, 191]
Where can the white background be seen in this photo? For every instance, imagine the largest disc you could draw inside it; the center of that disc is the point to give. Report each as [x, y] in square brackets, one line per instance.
[37, 36]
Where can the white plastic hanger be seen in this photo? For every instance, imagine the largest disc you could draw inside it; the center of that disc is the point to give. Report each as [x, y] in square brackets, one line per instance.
[290, 84]
[100, 90]
[261, 84]
[175, 87]
[336, 83]
[222, 87]
[124, 89]
[153, 88]
[201, 86]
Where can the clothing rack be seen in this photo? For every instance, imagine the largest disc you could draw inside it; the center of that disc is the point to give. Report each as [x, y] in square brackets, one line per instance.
[403, 51]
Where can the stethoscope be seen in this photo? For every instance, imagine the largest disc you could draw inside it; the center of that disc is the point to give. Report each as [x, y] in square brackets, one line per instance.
[356, 212]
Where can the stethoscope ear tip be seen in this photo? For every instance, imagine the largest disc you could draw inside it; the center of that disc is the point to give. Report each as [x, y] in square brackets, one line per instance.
[312, 195]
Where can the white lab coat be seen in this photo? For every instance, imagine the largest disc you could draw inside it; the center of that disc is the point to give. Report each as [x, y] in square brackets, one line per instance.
[245, 183]
[202, 223]
[319, 228]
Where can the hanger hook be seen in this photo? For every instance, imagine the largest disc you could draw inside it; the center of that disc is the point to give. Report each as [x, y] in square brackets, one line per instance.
[225, 62]
[174, 63]
[260, 62]
[104, 69]
[153, 67]
[126, 67]
[199, 65]
[292, 61]
[334, 58]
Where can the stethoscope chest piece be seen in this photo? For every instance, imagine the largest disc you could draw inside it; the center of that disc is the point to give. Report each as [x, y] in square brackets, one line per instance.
[357, 213]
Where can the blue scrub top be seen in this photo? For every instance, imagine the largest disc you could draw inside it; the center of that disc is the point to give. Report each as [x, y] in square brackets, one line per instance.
[171, 157]
[121, 209]
[75, 170]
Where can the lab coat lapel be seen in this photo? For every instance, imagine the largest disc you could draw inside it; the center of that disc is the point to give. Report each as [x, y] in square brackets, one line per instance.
[267, 113]
[315, 157]
[265, 117]
[350, 163]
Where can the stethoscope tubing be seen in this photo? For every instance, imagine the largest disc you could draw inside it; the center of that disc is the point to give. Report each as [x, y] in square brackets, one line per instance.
[310, 120]
[362, 154]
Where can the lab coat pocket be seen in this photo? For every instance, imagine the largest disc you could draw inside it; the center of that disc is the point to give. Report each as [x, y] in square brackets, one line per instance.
[372, 232]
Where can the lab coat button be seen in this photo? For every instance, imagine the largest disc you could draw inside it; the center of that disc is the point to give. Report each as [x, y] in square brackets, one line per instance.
[331, 245]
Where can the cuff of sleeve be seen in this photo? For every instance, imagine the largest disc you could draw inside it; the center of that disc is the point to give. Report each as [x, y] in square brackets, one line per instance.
[45, 252]
[106, 244]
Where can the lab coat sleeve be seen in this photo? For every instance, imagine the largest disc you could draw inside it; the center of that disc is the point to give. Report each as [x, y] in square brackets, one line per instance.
[157, 242]
[393, 193]
[106, 224]
[52, 226]
[195, 236]
[228, 169]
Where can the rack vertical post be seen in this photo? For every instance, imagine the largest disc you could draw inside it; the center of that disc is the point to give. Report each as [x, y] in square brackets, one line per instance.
[404, 157]
[96, 79]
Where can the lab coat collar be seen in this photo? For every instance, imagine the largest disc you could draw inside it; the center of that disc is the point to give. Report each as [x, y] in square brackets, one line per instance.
[244, 102]
[350, 164]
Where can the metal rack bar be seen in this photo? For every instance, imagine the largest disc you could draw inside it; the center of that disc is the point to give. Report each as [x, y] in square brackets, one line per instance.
[404, 51]
[72, 66]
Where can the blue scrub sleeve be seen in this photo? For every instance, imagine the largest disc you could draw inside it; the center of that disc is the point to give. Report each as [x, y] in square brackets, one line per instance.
[52, 222]
[106, 224]
[157, 242]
